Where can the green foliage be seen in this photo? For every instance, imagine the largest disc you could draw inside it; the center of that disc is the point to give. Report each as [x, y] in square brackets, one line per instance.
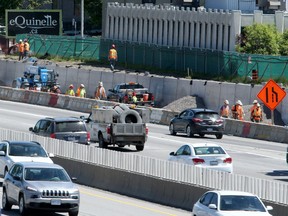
[260, 39]
[94, 11]
[284, 44]
[21, 4]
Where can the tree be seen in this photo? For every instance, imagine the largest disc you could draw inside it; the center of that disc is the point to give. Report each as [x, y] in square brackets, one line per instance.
[94, 11]
[21, 4]
[284, 44]
[259, 39]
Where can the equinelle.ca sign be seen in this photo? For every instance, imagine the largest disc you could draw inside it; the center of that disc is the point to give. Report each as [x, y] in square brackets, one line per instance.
[47, 22]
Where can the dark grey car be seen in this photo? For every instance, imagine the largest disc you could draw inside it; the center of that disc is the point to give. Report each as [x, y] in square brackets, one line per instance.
[197, 121]
[70, 129]
[40, 186]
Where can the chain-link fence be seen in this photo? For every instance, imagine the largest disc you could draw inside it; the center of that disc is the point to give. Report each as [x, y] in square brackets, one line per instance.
[207, 63]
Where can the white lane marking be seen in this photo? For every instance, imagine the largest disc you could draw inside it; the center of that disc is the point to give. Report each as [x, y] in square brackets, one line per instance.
[244, 150]
[18, 112]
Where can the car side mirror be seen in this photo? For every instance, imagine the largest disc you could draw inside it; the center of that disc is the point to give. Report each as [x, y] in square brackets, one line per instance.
[269, 208]
[17, 178]
[2, 153]
[74, 179]
[51, 155]
[212, 206]
[31, 129]
[172, 153]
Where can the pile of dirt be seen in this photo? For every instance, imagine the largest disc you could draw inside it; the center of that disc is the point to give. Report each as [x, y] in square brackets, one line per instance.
[185, 103]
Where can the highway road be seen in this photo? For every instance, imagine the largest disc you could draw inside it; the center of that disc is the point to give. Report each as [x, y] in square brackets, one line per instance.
[256, 158]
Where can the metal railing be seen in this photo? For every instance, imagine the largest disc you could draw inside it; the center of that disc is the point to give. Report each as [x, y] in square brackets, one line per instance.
[266, 189]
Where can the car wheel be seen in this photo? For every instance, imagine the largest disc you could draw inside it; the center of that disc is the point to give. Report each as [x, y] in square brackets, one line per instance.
[102, 143]
[140, 147]
[171, 129]
[5, 203]
[22, 208]
[201, 135]
[219, 136]
[73, 213]
[189, 131]
[121, 146]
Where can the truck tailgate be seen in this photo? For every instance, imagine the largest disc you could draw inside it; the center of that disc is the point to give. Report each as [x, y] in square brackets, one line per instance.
[128, 129]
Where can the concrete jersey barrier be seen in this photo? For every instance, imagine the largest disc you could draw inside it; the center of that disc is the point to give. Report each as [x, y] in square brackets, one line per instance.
[158, 116]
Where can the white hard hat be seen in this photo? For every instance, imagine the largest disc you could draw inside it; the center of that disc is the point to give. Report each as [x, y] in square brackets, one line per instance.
[20, 40]
[226, 102]
[255, 101]
[100, 83]
[258, 105]
[239, 102]
[82, 85]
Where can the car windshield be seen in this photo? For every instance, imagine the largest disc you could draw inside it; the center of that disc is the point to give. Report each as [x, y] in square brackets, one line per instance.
[204, 150]
[70, 126]
[27, 150]
[207, 115]
[240, 203]
[45, 174]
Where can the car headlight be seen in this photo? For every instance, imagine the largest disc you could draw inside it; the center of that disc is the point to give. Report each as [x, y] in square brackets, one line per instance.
[31, 189]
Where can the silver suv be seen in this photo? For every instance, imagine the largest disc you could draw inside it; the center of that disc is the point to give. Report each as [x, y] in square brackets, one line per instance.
[65, 128]
[40, 186]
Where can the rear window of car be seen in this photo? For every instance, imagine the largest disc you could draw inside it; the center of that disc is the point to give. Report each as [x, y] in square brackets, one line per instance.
[208, 150]
[207, 115]
[70, 126]
[131, 86]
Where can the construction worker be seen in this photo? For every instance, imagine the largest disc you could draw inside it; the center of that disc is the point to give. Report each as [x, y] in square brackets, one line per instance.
[81, 92]
[134, 97]
[21, 49]
[100, 93]
[224, 110]
[237, 110]
[55, 89]
[70, 90]
[113, 57]
[26, 48]
[255, 102]
[257, 114]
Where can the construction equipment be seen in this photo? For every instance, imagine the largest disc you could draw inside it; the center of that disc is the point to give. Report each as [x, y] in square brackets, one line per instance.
[36, 78]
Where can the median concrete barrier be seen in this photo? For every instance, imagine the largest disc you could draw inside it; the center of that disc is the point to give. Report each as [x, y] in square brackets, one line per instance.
[143, 187]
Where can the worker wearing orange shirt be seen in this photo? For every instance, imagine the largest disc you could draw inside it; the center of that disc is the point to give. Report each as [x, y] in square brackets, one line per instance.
[237, 111]
[224, 110]
[21, 49]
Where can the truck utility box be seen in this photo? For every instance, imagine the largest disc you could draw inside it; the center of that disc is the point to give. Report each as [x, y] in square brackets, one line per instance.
[118, 125]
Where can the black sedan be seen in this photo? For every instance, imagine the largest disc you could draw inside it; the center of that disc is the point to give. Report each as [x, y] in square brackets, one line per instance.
[197, 121]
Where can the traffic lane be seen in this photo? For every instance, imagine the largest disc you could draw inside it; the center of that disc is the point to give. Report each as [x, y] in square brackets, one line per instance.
[97, 202]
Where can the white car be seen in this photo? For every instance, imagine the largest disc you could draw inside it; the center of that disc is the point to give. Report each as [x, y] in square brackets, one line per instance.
[21, 151]
[205, 155]
[230, 203]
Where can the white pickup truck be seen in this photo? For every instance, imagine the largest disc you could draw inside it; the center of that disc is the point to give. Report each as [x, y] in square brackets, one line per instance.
[118, 125]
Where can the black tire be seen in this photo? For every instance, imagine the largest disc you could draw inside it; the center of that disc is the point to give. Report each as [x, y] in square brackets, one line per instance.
[73, 213]
[130, 116]
[189, 132]
[202, 135]
[171, 129]
[5, 203]
[219, 136]
[102, 143]
[139, 147]
[121, 146]
[22, 208]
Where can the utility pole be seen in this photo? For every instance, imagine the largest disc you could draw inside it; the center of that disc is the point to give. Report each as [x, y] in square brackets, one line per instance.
[82, 18]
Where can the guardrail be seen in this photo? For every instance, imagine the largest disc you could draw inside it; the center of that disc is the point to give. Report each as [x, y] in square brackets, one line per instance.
[183, 174]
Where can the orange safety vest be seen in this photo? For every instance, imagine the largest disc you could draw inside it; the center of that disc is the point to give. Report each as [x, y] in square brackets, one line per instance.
[257, 114]
[26, 46]
[113, 54]
[224, 111]
[21, 47]
[100, 93]
[238, 112]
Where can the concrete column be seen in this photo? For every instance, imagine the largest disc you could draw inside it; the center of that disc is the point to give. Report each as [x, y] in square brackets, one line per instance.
[130, 29]
[192, 35]
[197, 36]
[220, 37]
[165, 30]
[135, 30]
[140, 35]
[186, 33]
[181, 33]
[214, 35]
[170, 33]
[235, 28]
[145, 31]
[226, 37]
[150, 35]
[203, 35]
[160, 34]
[125, 35]
[121, 28]
[116, 33]
[155, 31]
[175, 33]
[208, 36]
[111, 31]
[279, 20]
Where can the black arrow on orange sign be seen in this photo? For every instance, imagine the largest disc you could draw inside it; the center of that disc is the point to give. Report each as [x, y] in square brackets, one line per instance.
[275, 94]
